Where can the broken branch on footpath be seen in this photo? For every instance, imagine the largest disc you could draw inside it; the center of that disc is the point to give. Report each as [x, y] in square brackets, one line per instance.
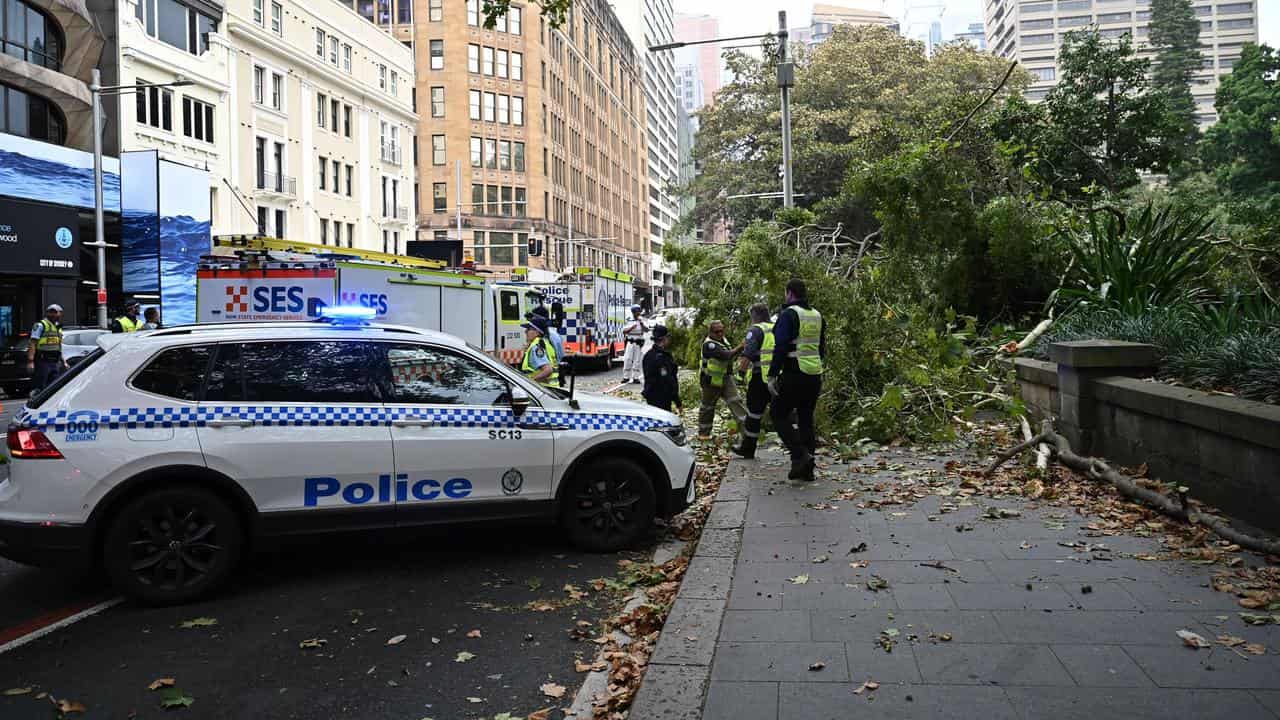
[1180, 507]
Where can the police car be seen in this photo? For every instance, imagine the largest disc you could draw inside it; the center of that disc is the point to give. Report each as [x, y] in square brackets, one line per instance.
[164, 456]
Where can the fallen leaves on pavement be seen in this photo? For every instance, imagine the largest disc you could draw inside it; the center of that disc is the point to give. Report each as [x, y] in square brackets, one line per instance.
[1192, 640]
[553, 690]
[11, 692]
[200, 622]
[172, 697]
[311, 643]
[397, 640]
[463, 656]
[867, 686]
[798, 580]
[160, 683]
[473, 634]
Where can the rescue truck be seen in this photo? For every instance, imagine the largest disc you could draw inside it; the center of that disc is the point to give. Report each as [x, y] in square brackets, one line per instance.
[268, 280]
[596, 304]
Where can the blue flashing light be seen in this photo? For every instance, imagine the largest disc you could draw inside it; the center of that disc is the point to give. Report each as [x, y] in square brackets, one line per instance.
[348, 314]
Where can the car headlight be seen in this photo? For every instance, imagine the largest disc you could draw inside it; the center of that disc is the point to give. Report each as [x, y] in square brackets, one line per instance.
[674, 433]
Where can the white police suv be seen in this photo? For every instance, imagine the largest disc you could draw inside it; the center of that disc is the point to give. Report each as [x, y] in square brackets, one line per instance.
[164, 455]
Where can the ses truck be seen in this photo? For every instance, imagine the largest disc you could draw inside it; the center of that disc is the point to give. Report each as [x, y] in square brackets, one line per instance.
[270, 284]
[596, 304]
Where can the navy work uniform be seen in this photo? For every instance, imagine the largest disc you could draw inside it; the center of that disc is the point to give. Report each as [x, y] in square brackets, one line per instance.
[795, 377]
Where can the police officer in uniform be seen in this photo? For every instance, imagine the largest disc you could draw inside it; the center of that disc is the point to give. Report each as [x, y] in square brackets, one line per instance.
[129, 322]
[795, 376]
[716, 380]
[661, 385]
[540, 361]
[633, 334]
[756, 358]
[553, 334]
[44, 354]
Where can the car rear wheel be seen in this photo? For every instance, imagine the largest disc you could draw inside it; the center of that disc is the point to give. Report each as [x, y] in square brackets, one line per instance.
[170, 546]
[608, 505]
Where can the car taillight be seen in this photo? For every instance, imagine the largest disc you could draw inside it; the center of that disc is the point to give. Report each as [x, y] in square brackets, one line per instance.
[27, 443]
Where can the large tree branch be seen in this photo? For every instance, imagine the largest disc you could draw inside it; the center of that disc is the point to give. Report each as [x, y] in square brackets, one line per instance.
[987, 99]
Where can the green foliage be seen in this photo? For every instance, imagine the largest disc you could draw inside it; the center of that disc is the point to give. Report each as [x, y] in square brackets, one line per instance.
[1175, 36]
[1155, 257]
[1243, 149]
[556, 12]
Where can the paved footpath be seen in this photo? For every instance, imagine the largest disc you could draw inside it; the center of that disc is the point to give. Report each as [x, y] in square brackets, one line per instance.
[955, 608]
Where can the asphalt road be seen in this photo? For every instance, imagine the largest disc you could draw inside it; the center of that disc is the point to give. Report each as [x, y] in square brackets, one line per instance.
[356, 593]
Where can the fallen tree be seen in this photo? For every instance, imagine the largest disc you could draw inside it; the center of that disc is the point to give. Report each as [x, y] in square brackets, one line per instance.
[1179, 507]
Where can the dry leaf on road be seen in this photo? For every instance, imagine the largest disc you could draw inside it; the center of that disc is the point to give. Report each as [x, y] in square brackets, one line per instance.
[543, 714]
[816, 666]
[553, 690]
[1192, 640]
[312, 643]
[463, 656]
[200, 622]
[798, 580]
[397, 639]
[11, 692]
[473, 634]
[66, 707]
[868, 685]
[160, 683]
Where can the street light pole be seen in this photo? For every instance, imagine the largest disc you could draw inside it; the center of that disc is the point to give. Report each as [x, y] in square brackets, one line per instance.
[786, 78]
[99, 231]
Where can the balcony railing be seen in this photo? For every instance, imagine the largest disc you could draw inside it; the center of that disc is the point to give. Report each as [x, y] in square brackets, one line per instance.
[391, 153]
[279, 184]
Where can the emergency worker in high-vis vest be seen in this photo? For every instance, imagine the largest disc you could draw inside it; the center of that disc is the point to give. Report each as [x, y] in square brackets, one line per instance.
[44, 354]
[540, 362]
[757, 355]
[795, 376]
[716, 378]
[129, 321]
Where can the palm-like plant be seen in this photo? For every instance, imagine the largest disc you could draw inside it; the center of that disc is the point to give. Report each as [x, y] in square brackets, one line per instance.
[1154, 258]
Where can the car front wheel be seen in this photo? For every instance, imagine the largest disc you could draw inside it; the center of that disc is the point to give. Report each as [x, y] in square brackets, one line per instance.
[608, 505]
[170, 546]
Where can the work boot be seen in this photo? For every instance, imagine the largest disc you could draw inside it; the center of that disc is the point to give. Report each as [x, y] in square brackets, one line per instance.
[801, 468]
[745, 449]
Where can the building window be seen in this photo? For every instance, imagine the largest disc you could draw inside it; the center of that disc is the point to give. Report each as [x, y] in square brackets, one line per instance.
[486, 55]
[517, 111]
[1043, 74]
[404, 12]
[473, 58]
[257, 11]
[490, 103]
[437, 150]
[174, 23]
[324, 171]
[351, 234]
[337, 177]
[395, 83]
[477, 198]
[337, 234]
[382, 77]
[437, 54]
[514, 20]
[281, 230]
[517, 66]
[501, 65]
[351, 171]
[522, 202]
[435, 10]
[501, 251]
[477, 153]
[439, 197]
[259, 80]
[473, 101]
[346, 58]
[1234, 24]
[346, 120]
[500, 23]
[335, 109]
[517, 156]
[491, 200]
[22, 113]
[1235, 8]
[277, 91]
[507, 207]
[437, 102]
[263, 214]
[504, 109]
[473, 13]
[504, 154]
[322, 108]
[154, 106]
[324, 231]
[277, 18]
[491, 153]
[197, 119]
[320, 43]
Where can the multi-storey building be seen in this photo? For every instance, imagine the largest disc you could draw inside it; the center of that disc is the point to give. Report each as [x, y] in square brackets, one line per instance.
[528, 131]
[1032, 33]
[826, 18]
[975, 36]
[650, 22]
[689, 88]
[699, 28]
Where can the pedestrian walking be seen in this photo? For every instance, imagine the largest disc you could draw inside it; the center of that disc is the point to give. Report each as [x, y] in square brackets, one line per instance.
[128, 322]
[151, 319]
[795, 377]
[540, 361]
[661, 384]
[756, 358]
[44, 354]
[716, 380]
[633, 334]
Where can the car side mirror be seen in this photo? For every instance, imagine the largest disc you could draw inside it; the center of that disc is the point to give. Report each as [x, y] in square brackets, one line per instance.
[520, 401]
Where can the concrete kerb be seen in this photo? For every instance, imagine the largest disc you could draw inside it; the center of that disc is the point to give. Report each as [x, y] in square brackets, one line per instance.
[675, 682]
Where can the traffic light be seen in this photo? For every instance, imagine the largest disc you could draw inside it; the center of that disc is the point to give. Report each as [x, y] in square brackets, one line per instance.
[535, 246]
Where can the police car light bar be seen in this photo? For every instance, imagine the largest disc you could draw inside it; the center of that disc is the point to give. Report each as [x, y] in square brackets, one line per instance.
[353, 314]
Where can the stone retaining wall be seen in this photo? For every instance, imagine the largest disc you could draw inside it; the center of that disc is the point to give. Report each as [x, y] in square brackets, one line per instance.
[1227, 450]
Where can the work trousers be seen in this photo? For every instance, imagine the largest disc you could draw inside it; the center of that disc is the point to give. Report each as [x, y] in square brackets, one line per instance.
[632, 359]
[798, 393]
[757, 402]
[46, 371]
[711, 395]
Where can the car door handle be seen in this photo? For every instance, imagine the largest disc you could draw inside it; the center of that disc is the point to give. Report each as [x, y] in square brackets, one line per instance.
[540, 426]
[413, 422]
[230, 422]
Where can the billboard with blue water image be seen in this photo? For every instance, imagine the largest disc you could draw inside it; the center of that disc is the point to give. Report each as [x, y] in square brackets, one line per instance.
[167, 222]
[34, 170]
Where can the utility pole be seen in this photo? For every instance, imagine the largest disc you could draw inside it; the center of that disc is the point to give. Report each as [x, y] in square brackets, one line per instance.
[99, 230]
[786, 79]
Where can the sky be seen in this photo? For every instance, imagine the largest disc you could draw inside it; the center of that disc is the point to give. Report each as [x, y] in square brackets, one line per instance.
[744, 17]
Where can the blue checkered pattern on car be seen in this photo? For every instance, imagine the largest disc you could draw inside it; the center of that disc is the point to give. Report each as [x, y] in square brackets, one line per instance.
[318, 416]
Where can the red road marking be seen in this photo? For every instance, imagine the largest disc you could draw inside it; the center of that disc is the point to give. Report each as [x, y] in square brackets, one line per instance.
[8, 635]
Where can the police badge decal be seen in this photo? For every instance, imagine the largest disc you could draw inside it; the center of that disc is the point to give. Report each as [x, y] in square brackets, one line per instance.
[512, 481]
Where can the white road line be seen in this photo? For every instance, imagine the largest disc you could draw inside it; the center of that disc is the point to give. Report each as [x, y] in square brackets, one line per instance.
[64, 622]
[619, 386]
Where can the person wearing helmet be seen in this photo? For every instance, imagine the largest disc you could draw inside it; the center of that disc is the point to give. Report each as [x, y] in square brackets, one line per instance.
[129, 322]
[633, 334]
[44, 354]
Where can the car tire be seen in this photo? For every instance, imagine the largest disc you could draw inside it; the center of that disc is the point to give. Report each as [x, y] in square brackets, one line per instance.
[172, 545]
[608, 505]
